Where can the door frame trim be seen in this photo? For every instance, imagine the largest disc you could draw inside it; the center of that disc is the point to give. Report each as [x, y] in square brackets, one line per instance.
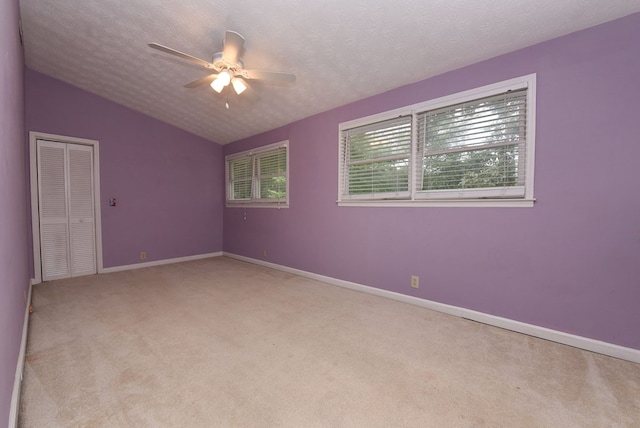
[34, 136]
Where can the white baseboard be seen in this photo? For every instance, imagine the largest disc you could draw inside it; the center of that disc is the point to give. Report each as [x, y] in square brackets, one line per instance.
[585, 343]
[15, 397]
[160, 262]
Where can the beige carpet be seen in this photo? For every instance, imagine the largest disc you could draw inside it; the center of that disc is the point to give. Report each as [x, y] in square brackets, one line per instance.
[222, 343]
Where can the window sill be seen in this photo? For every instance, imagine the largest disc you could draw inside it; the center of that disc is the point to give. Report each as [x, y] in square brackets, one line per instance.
[489, 203]
[255, 205]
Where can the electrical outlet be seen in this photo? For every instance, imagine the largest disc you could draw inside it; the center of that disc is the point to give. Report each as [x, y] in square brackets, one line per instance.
[143, 255]
[264, 253]
[415, 282]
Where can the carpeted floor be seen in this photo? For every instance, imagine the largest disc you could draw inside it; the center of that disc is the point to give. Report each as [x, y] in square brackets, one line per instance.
[223, 343]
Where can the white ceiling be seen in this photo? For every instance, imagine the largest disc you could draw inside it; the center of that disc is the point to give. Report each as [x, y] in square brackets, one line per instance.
[340, 50]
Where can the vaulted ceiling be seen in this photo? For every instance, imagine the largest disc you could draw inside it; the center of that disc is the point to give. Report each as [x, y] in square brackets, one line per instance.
[340, 50]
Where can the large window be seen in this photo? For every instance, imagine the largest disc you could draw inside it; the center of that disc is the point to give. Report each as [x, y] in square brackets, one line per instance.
[259, 177]
[472, 148]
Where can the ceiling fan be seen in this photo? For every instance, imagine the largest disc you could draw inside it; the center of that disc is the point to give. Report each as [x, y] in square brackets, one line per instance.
[227, 68]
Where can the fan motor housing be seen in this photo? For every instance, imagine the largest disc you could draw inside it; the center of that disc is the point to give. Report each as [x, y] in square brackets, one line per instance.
[220, 64]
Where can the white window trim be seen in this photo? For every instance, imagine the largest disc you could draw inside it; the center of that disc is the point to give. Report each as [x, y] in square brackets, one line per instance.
[527, 81]
[255, 203]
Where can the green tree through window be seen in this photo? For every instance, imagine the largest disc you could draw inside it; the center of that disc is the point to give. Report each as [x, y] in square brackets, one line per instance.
[272, 169]
[377, 157]
[474, 144]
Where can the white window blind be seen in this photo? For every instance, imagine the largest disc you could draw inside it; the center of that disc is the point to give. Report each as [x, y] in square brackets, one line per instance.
[474, 149]
[271, 172]
[240, 177]
[375, 160]
[258, 177]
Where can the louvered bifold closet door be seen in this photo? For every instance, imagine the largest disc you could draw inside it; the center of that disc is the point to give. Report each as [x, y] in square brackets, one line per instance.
[81, 215]
[52, 198]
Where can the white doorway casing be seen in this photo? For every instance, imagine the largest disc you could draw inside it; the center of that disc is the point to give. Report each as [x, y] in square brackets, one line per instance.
[35, 212]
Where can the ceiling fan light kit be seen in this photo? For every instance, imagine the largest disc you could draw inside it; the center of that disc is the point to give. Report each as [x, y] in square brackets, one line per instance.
[224, 77]
[229, 67]
[238, 85]
[217, 85]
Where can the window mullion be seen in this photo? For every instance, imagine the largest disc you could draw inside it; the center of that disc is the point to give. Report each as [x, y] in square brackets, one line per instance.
[255, 180]
[413, 161]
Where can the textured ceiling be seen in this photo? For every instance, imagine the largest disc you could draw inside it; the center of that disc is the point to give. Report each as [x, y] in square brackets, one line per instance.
[340, 50]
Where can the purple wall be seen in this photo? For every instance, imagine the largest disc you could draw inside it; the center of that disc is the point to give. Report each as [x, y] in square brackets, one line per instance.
[14, 270]
[168, 183]
[570, 263]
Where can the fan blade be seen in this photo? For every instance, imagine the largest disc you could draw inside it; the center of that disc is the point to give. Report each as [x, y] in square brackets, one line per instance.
[181, 55]
[249, 94]
[233, 44]
[205, 80]
[271, 76]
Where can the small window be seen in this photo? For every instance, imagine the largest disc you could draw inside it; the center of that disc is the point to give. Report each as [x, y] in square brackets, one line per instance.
[473, 148]
[376, 159]
[259, 177]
